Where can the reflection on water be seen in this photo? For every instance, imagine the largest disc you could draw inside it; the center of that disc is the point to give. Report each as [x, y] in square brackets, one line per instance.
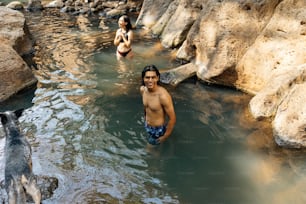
[85, 124]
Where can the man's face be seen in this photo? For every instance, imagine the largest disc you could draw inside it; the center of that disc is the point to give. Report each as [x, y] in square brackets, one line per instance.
[150, 79]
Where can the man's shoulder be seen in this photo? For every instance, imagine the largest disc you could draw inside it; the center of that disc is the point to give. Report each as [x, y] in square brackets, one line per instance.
[162, 89]
[163, 92]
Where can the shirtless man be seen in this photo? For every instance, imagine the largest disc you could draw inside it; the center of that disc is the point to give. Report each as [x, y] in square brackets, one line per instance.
[159, 112]
[124, 38]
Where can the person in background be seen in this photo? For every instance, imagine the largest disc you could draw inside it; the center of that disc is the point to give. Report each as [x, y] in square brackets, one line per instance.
[160, 116]
[124, 38]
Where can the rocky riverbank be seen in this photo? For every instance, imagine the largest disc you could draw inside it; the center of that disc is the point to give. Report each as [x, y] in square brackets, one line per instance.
[258, 47]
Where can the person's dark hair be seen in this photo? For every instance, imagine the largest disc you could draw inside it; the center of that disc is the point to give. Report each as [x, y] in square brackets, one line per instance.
[128, 21]
[150, 68]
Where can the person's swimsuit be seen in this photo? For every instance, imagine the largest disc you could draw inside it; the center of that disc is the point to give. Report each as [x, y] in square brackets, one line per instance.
[124, 54]
[154, 133]
[126, 36]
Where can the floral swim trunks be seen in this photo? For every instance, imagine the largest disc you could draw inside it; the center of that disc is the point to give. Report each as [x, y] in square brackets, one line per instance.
[154, 133]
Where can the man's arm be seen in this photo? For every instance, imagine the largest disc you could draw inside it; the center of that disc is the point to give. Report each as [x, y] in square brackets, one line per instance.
[167, 104]
[142, 89]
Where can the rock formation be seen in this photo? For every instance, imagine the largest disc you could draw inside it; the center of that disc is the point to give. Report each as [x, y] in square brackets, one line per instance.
[15, 42]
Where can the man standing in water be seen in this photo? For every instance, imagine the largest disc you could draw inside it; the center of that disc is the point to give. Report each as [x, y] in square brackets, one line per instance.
[159, 112]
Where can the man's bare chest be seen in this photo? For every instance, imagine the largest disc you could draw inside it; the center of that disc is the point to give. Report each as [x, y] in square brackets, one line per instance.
[152, 102]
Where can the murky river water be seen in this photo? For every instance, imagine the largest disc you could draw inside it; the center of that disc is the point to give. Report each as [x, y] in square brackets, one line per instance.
[84, 121]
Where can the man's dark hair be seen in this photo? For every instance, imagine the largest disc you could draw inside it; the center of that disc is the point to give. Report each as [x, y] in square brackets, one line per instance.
[149, 68]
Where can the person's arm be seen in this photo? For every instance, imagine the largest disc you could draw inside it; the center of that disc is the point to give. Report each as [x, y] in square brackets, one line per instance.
[142, 89]
[117, 38]
[167, 104]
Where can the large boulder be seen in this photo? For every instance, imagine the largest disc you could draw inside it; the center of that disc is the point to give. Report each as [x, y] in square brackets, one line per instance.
[266, 103]
[15, 74]
[290, 120]
[13, 28]
[281, 44]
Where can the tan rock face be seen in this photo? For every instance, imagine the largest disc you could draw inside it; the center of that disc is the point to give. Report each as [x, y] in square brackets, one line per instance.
[151, 11]
[178, 26]
[15, 74]
[162, 22]
[290, 121]
[281, 44]
[227, 30]
[275, 69]
[14, 29]
[265, 103]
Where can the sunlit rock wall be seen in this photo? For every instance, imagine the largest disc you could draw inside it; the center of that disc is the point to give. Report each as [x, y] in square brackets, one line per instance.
[15, 42]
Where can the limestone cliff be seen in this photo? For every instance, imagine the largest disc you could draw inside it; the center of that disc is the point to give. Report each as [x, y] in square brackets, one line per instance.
[258, 47]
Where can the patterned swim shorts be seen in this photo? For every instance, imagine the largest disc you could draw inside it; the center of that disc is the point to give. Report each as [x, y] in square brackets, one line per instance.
[154, 133]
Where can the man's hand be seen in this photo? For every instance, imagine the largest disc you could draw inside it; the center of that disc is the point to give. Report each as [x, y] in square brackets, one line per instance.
[162, 139]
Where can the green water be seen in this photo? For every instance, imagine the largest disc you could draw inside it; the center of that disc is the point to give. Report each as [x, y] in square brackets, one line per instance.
[85, 124]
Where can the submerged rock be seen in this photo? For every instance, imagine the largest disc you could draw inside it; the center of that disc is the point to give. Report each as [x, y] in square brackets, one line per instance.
[47, 186]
